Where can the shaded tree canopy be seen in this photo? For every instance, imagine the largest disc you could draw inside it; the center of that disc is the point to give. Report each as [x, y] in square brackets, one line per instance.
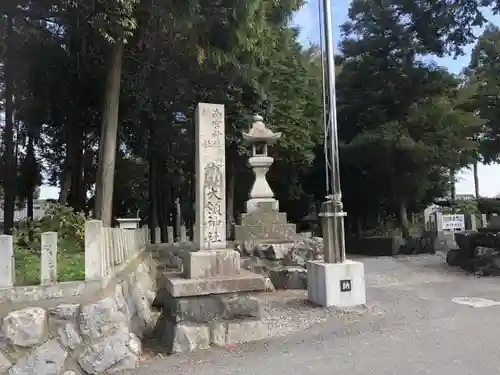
[99, 100]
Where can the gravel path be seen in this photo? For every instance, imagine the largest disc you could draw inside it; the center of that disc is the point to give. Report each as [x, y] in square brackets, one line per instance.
[287, 312]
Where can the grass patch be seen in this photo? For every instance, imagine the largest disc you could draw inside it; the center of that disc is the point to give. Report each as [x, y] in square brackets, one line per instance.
[70, 266]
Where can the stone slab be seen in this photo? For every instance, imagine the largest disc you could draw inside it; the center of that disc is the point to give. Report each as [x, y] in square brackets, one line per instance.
[210, 161]
[206, 309]
[235, 332]
[246, 281]
[211, 263]
[326, 281]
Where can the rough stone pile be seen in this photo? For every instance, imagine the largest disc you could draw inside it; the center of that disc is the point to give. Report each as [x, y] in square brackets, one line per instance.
[90, 338]
[285, 262]
[482, 264]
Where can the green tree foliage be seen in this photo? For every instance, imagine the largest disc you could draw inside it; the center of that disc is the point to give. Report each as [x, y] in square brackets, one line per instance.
[105, 93]
[484, 90]
[401, 125]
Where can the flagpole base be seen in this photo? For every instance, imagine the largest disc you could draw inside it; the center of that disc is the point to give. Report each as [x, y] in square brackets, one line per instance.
[336, 284]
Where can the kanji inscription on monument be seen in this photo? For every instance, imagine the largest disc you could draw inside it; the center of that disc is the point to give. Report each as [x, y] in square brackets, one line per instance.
[210, 228]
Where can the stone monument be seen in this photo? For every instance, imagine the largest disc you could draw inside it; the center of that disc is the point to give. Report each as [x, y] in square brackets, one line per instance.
[262, 221]
[213, 268]
[210, 300]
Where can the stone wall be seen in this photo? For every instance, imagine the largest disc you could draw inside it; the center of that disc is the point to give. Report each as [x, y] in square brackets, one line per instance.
[82, 336]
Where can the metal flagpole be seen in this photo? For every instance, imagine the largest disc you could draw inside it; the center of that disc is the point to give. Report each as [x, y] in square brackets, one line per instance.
[332, 209]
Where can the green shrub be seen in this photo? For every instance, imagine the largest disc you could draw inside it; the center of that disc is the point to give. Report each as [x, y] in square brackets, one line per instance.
[70, 227]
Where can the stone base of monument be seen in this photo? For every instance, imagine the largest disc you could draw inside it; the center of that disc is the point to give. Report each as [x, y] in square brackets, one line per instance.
[336, 284]
[209, 302]
[196, 323]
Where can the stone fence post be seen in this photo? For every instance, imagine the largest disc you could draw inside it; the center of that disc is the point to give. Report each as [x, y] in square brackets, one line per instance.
[94, 250]
[157, 235]
[48, 269]
[6, 262]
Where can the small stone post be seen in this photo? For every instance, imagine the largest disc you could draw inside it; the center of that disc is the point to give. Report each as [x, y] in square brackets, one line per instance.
[6, 262]
[484, 219]
[48, 271]
[94, 250]
[178, 217]
[157, 235]
[183, 233]
[170, 234]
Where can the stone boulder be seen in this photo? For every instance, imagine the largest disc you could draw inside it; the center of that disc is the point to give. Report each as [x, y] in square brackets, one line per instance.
[4, 363]
[265, 249]
[24, 328]
[490, 266]
[47, 359]
[278, 250]
[453, 257]
[99, 319]
[304, 250]
[112, 352]
[65, 311]
[289, 277]
[68, 336]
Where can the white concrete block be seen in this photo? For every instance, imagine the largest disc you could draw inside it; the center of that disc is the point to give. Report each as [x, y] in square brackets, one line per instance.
[336, 284]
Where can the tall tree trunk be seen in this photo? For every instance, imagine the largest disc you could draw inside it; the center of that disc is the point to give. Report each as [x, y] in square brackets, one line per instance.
[403, 219]
[231, 186]
[33, 170]
[453, 190]
[153, 186]
[162, 215]
[108, 141]
[88, 176]
[65, 183]
[18, 139]
[10, 167]
[77, 191]
[476, 178]
[73, 190]
[151, 119]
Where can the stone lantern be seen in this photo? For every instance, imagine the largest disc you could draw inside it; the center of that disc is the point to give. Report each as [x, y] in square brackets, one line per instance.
[259, 137]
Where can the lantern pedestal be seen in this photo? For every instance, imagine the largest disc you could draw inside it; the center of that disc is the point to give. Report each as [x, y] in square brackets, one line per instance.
[261, 193]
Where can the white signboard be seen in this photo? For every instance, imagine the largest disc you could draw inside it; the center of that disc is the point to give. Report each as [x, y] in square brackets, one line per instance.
[453, 222]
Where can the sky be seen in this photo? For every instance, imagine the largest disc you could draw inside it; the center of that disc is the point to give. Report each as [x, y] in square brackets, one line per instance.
[307, 20]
